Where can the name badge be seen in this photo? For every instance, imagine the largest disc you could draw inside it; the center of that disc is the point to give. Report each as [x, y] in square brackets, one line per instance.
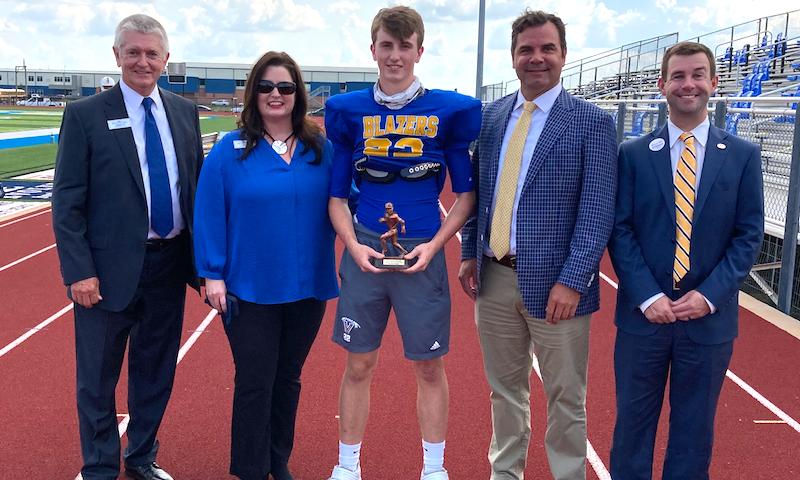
[119, 123]
[657, 144]
[239, 144]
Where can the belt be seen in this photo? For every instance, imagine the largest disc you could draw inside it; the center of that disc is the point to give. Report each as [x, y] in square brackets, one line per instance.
[509, 261]
[156, 244]
[676, 285]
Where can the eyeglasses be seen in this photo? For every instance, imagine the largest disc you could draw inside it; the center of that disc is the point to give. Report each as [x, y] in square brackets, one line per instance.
[284, 88]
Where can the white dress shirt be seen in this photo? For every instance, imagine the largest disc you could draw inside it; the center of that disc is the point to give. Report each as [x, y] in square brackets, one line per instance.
[136, 113]
[676, 147]
[544, 103]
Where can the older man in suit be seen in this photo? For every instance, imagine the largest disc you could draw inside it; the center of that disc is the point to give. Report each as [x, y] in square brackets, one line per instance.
[545, 172]
[689, 225]
[123, 197]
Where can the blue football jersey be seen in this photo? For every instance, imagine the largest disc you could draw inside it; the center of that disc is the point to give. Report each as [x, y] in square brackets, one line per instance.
[435, 128]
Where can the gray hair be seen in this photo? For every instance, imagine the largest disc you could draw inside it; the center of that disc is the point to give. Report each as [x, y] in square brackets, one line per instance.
[142, 24]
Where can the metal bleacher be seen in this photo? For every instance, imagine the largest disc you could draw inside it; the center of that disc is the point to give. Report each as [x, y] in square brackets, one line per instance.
[758, 65]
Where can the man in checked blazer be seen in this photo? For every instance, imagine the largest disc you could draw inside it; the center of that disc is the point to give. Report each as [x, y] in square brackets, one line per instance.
[688, 192]
[539, 294]
[123, 199]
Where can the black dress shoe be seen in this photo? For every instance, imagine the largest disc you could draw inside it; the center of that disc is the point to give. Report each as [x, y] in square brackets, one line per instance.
[151, 471]
[281, 473]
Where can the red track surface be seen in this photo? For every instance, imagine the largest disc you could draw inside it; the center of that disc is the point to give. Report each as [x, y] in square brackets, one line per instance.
[38, 423]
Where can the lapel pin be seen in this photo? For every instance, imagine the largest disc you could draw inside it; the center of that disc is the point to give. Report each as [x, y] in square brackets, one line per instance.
[722, 146]
[657, 144]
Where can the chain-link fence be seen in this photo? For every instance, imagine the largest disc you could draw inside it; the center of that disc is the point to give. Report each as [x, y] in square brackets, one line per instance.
[490, 93]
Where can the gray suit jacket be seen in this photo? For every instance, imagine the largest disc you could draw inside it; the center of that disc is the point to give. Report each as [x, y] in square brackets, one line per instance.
[99, 206]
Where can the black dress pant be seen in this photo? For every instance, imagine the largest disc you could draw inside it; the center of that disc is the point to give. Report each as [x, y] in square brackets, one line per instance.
[270, 344]
[152, 322]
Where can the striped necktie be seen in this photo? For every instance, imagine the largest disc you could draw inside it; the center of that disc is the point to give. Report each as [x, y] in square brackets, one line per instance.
[500, 239]
[685, 179]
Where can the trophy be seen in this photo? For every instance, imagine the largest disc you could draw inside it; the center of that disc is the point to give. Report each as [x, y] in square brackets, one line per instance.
[392, 220]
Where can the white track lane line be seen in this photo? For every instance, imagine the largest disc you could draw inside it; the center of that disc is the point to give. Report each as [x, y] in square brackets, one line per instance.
[743, 385]
[444, 212]
[26, 217]
[763, 401]
[591, 455]
[16, 262]
[123, 425]
[30, 332]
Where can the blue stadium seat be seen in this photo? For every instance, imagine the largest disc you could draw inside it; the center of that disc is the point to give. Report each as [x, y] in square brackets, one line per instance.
[732, 123]
[789, 119]
[638, 125]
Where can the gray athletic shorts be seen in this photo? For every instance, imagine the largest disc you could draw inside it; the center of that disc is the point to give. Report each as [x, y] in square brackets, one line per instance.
[421, 303]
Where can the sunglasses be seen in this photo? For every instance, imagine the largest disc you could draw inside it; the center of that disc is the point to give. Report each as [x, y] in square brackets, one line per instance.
[284, 88]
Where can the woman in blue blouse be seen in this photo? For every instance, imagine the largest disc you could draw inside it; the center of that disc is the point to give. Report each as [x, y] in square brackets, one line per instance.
[262, 235]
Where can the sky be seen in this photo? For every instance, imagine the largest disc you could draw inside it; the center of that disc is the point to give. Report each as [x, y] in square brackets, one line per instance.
[78, 34]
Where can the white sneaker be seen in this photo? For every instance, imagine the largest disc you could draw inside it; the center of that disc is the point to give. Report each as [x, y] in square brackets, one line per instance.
[434, 475]
[342, 473]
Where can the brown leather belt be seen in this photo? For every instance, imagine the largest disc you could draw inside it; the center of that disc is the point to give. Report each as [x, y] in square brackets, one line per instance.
[676, 285]
[509, 261]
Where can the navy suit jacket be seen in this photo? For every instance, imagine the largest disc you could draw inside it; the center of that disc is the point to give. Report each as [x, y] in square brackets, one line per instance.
[100, 214]
[727, 231]
[566, 209]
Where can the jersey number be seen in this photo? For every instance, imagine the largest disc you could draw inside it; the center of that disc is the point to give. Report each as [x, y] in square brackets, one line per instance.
[379, 147]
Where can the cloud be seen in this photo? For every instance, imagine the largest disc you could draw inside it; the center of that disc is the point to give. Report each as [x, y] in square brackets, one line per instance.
[613, 20]
[344, 6]
[9, 54]
[6, 26]
[445, 10]
[301, 17]
[191, 14]
[666, 5]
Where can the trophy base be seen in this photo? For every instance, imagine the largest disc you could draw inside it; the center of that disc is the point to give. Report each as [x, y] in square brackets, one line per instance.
[392, 263]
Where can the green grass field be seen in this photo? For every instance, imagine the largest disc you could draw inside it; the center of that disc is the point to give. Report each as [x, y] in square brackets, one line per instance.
[28, 118]
[22, 160]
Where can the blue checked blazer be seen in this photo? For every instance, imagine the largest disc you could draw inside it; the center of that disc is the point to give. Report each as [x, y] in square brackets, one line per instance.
[566, 209]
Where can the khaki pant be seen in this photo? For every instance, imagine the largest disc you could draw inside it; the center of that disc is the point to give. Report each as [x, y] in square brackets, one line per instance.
[509, 336]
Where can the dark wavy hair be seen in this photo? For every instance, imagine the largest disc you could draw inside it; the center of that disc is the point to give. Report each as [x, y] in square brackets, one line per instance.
[250, 122]
[537, 18]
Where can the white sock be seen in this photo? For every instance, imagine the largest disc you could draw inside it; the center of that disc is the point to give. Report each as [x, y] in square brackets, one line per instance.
[432, 456]
[348, 455]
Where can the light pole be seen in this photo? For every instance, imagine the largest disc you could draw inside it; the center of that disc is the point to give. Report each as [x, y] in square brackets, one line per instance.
[481, 28]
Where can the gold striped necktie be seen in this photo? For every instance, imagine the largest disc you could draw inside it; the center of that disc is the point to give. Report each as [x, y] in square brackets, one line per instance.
[685, 177]
[500, 236]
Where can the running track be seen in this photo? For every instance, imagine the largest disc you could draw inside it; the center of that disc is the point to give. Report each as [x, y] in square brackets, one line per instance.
[38, 421]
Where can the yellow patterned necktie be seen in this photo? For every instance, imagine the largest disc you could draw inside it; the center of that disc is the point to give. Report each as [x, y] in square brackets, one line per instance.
[685, 179]
[500, 240]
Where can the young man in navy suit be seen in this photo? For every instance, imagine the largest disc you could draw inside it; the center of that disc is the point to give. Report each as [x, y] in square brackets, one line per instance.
[689, 225]
[123, 199]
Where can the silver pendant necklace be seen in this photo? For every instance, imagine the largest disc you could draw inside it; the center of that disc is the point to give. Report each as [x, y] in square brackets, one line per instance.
[279, 146]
